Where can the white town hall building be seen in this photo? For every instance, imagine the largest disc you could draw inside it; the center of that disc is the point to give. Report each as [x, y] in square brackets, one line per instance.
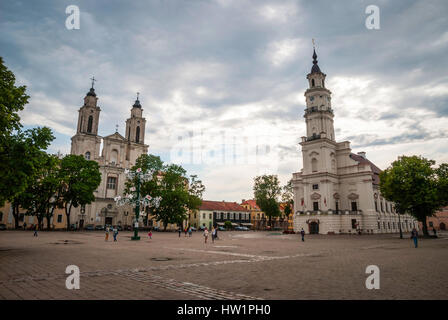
[337, 191]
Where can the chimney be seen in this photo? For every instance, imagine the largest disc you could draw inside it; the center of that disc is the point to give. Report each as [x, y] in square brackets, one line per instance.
[362, 154]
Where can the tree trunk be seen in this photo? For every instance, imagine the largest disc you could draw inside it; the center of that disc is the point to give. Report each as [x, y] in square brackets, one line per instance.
[15, 213]
[48, 222]
[424, 227]
[67, 213]
[164, 226]
[39, 221]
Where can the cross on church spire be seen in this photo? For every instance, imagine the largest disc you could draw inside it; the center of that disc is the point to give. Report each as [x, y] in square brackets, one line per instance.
[93, 81]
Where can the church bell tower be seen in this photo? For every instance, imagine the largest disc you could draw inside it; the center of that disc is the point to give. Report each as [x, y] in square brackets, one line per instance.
[135, 125]
[86, 141]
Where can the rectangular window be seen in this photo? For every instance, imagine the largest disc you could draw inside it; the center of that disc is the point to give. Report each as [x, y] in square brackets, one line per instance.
[315, 206]
[210, 216]
[111, 183]
[354, 224]
[315, 186]
[337, 207]
[59, 218]
[1, 216]
[379, 226]
[203, 216]
[376, 206]
[354, 206]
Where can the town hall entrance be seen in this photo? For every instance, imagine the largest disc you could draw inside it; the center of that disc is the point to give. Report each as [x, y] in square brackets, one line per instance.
[314, 227]
[108, 221]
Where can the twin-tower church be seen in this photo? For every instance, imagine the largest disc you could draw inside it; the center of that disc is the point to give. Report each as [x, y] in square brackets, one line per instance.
[337, 191]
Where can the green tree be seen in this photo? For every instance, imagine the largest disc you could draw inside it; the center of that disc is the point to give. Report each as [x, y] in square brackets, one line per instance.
[41, 196]
[415, 187]
[80, 178]
[18, 149]
[228, 225]
[179, 193]
[20, 164]
[12, 100]
[267, 191]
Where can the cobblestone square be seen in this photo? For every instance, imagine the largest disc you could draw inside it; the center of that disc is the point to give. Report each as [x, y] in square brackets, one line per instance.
[240, 265]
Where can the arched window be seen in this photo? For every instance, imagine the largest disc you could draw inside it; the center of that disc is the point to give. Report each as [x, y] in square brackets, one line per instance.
[323, 84]
[87, 155]
[312, 83]
[333, 164]
[80, 124]
[137, 135]
[129, 133]
[89, 124]
[314, 165]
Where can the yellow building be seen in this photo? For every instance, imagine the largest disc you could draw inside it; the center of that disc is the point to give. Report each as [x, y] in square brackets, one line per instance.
[58, 221]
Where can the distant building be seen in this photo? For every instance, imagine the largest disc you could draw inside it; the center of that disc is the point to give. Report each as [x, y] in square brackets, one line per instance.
[216, 213]
[439, 221]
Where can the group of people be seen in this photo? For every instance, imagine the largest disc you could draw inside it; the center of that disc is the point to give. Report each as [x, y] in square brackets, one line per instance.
[214, 233]
[114, 233]
[187, 230]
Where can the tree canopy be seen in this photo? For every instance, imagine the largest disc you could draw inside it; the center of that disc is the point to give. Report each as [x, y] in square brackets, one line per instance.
[179, 193]
[80, 178]
[416, 186]
[267, 191]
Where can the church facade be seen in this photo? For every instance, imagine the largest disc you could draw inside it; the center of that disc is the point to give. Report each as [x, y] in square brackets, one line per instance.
[337, 191]
[117, 154]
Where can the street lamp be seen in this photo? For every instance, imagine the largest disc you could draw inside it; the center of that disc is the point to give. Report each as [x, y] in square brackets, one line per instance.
[135, 200]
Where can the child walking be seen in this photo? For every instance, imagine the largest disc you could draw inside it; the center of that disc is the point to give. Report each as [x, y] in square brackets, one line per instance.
[107, 234]
[150, 234]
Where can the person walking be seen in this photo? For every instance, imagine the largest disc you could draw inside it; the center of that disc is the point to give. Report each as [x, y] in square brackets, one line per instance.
[213, 234]
[36, 228]
[414, 236]
[115, 230]
[434, 231]
[24, 226]
[302, 233]
[107, 234]
[186, 231]
[179, 230]
[190, 232]
[205, 234]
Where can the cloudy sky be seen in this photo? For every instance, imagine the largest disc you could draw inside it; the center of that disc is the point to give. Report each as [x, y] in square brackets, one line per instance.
[227, 77]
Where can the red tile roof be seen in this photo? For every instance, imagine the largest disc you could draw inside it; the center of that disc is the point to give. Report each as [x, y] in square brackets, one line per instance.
[376, 171]
[221, 206]
[252, 203]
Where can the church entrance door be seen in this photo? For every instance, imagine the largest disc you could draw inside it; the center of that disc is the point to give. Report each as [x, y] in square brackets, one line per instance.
[314, 228]
[81, 223]
[442, 226]
[108, 220]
